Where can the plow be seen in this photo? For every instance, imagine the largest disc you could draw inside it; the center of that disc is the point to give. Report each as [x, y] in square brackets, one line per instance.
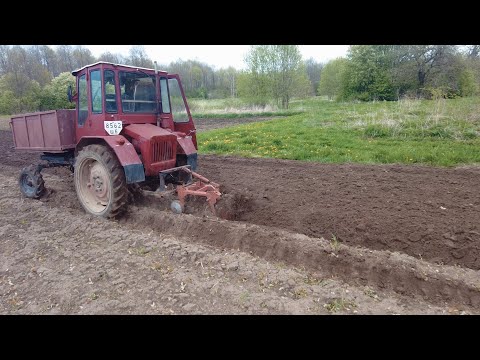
[131, 127]
[201, 187]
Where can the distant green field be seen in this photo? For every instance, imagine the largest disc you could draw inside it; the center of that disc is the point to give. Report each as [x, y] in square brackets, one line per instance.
[231, 108]
[435, 132]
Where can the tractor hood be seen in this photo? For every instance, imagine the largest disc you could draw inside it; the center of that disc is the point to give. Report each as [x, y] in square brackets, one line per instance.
[158, 146]
[146, 131]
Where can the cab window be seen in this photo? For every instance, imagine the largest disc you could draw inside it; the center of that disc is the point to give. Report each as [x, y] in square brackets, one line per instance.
[110, 91]
[96, 91]
[82, 100]
[164, 93]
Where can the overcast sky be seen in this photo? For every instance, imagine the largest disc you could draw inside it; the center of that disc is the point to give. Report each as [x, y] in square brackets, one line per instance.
[219, 56]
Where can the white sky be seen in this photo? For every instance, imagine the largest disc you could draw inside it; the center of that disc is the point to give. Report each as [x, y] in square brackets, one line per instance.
[218, 56]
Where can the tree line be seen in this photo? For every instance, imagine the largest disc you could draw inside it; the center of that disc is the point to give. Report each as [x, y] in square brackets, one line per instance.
[36, 77]
[390, 72]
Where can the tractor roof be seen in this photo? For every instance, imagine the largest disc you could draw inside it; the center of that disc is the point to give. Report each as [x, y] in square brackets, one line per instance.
[75, 72]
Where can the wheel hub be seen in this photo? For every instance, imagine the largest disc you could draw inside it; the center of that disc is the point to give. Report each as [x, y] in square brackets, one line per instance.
[94, 185]
[28, 181]
[98, 183]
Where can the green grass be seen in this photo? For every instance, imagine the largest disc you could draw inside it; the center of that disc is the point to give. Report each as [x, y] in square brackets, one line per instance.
[434, 132]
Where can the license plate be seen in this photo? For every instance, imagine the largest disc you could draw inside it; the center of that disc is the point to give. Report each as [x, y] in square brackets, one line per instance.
[113, 127]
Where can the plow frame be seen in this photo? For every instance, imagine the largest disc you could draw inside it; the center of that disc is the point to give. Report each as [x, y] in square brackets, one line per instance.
[201, 187]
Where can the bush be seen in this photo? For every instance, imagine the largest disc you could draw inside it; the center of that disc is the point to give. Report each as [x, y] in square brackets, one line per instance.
[440, 92]
[8, 102]
[18, 94]
[54, 95]
[467, 83]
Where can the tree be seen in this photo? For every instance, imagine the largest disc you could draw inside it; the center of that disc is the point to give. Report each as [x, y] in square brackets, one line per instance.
[8, 101]
[15, 60]
[472, 69]
[112, 58]
[198, 78]
[81, 57]
[49, 60]
[17, 71]
[274, 71]
[368, 73]
[302, 86]
[34, 65]
[473, 51]
[138, 57]
[18, 93]
[285, 63]
[65, 58]
[332, 78]
[232, 74]
[314, 70]
[467, 83]
[225, 83]
[4, 50]
[256, 84]
[426, 68]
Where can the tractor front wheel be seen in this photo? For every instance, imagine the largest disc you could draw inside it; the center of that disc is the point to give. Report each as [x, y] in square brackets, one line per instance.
[100, 182]
[31, 182]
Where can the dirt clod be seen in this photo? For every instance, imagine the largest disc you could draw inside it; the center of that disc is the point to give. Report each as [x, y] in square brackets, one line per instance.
[233, 206]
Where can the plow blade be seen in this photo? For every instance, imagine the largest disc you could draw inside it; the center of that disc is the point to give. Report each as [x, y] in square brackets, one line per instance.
[194, 185]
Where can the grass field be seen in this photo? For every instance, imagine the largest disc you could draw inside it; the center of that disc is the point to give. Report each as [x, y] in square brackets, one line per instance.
[231, 108]
[436, 132]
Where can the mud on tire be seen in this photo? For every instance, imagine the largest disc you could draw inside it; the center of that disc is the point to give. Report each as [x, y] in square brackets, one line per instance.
[31, 182]
[100, 182]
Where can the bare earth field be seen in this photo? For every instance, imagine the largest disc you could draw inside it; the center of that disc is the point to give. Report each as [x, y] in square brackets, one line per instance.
[301, 238]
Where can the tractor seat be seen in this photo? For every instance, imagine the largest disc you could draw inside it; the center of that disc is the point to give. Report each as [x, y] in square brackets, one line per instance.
[144, 96]
[111, 102]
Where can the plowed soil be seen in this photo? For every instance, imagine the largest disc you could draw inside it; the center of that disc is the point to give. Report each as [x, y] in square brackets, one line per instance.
[429, 213]
[374, 239]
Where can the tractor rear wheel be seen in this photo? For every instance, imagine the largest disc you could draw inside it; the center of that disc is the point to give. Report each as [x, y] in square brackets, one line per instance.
[100, 182]
[31, 182]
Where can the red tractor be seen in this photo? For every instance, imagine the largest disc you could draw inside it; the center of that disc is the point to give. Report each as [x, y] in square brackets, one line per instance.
[131, 125]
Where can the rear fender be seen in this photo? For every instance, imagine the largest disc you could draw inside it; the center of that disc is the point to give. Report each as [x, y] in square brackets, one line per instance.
[125, 152]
